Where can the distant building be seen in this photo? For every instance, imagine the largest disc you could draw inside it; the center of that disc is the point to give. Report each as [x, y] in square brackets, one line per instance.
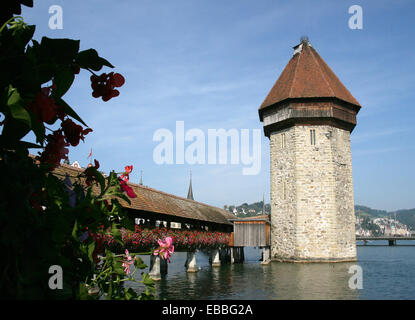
[76, 164]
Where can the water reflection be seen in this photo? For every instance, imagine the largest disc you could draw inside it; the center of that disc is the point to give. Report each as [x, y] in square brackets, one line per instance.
[251, 280]
[309, 281]
[388, 273]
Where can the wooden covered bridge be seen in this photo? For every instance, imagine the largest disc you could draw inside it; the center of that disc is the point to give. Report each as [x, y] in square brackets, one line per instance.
[154, 208]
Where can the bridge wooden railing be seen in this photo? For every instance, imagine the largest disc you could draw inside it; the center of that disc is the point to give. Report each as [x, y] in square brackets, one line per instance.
[391, 239]
[385, 237]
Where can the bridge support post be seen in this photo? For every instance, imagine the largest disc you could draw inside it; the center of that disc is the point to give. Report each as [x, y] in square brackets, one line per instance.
[190, 264]
[225, 255]
[238, 254]
[163, 266]
[215, 258]
[155, 273]
[266, 255]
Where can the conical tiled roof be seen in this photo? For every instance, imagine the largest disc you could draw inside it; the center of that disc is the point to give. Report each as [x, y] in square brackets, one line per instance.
[307, 75]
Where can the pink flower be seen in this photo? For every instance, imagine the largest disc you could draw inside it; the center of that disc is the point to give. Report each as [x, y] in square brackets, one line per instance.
[128, 262]
[166, 248]
[125, 176]
[125, 187]
[123, 182]
[128, 169]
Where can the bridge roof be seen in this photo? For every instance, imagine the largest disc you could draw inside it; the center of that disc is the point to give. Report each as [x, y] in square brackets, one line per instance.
[263, 218]
[156, 201]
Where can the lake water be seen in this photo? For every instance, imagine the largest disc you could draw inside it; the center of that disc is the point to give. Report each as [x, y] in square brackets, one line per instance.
[388, 273]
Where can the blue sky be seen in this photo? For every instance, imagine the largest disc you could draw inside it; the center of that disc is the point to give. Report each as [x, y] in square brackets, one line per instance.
[211, 64]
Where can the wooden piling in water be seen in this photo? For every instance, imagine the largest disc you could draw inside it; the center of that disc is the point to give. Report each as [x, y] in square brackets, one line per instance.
[190, 263]
[155, 272]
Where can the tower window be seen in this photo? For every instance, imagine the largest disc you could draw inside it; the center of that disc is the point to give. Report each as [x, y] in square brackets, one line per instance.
[313, 137]
[282, 140]
[284, 191]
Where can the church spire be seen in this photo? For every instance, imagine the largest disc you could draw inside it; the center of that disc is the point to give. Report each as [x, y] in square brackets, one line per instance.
[141, 178]
[190, 192]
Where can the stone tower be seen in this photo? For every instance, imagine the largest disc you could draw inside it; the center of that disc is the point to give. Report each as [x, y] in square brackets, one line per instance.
[308, 116]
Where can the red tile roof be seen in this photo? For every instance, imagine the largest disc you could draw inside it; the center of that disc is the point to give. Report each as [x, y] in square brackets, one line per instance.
[307, 75]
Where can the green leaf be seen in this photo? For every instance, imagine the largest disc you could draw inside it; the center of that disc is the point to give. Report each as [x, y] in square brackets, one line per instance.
[139, 264]
[99, 177]
[83, 292]
[62, 51]
[130, 294]
[16, 144]
[29, 145]
[115, 191]
[147, 280]
[69, 111]
[89, 59]
[38, 129]
[43, 72]
[13, 131]
[108, 254]
[116, 233]
[16, 106]
[23, 35]
[75, 230]
[118, 269]
[113, 179]
[91, 248]
[63, 81]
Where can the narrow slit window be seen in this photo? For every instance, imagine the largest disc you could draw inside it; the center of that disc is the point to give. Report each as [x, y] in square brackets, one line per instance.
[313, 137]
[284, 191]
[282, 140]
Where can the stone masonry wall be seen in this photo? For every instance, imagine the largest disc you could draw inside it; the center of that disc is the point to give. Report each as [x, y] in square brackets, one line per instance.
[343, 175]
[315, 219]
[283, 211]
